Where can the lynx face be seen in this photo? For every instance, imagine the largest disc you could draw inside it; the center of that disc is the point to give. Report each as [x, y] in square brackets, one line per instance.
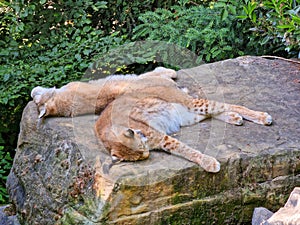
[131, 145]
[44, 99]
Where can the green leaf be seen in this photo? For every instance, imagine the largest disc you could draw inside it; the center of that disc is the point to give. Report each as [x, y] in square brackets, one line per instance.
[101, 5]
[287, 26]
[78, 57]
[219, 5]
[87, 51]
[86, 21]
[232, 9]
[253, 17]
[265, 40]
[78, 38]
[246, 10]
[296, 19]
[224, 14]
[87, 29]
[68, 67]
[242, 17]
[6, 77]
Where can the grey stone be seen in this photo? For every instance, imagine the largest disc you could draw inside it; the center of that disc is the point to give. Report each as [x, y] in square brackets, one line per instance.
[63, 175]
[7, 219]
[261, 215]
[290, 213]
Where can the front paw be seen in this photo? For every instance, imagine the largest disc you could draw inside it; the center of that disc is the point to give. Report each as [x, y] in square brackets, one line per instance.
[267, 119]
[210, 164]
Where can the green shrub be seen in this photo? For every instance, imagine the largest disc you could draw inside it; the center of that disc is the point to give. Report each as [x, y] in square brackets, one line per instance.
[211, 32]
[275, 26]
[5, 165]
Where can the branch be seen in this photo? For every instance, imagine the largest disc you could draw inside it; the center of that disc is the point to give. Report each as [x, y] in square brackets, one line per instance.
[281, 58]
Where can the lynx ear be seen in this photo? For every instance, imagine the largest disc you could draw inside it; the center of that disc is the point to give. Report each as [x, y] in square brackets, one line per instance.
[38, 93]
[115, 159]
[129, 133]
[43, 111]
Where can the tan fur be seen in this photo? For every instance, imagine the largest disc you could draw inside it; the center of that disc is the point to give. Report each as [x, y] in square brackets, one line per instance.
[137, 114]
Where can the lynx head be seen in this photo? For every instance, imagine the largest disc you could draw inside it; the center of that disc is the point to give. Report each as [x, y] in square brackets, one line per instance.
[44, 99]
[131, 145]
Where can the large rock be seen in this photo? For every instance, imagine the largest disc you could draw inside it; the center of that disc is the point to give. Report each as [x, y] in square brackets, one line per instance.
[261, 215]
[287, 215]
[62, 175]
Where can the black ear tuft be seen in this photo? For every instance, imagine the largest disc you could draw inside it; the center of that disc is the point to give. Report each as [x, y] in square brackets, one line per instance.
[115, 159]
[43, 111]
[129, 133]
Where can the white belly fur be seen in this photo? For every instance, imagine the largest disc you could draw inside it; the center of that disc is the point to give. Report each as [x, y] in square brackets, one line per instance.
[170, 117]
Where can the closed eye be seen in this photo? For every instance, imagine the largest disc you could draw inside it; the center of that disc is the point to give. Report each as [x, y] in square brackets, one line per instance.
[142, 136]
[140, 133]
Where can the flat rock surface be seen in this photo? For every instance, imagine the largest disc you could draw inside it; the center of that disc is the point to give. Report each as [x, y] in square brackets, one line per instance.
[63, 175]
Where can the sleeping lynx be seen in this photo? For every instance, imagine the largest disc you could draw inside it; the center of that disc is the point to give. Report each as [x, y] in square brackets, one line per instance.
[137, 113]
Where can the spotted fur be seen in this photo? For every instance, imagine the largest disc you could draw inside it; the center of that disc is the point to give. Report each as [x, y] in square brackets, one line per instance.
[138, 113]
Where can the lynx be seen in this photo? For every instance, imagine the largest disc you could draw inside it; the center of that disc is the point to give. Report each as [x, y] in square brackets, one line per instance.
[138, 113]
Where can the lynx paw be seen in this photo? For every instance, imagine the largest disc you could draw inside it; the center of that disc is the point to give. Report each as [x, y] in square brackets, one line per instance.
[230, 117]
[263, 119]
[166, 72]
[210, 164]
[235, 118]
[267, 119]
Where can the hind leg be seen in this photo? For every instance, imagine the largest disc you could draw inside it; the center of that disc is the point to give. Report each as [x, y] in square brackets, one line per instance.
[232, 114]
[251, 115]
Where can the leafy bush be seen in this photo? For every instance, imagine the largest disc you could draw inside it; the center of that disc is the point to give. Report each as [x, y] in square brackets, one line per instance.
[5, 165]
[210, 32]
[43, 44]
[275, 26]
